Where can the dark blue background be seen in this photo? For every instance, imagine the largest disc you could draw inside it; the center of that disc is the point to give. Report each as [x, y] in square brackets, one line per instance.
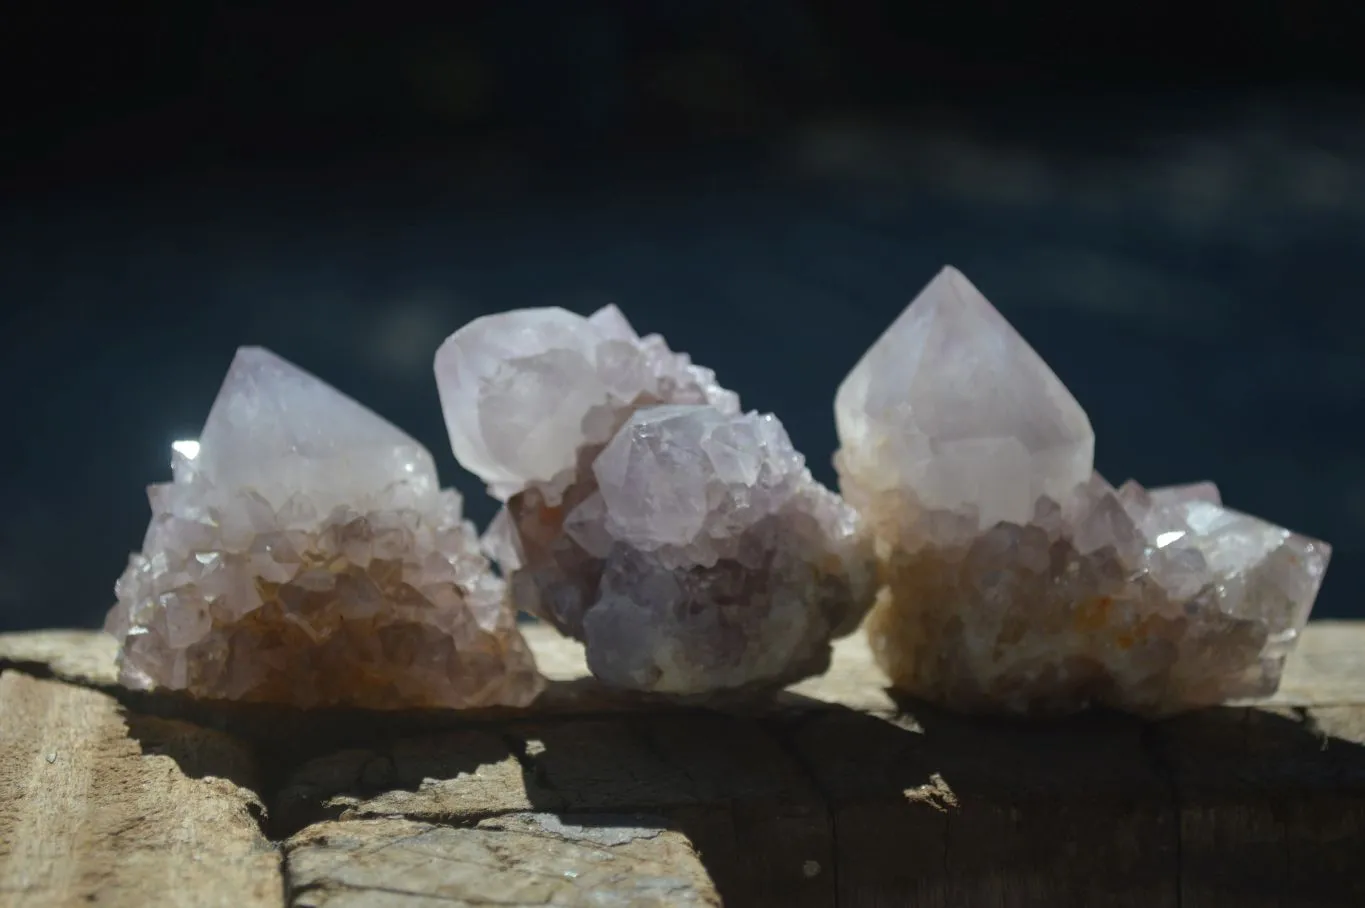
[1175, 221]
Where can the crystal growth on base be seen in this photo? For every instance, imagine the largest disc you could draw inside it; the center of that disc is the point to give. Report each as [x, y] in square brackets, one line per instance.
[304, 553]
[683, 541]
[1015, 578]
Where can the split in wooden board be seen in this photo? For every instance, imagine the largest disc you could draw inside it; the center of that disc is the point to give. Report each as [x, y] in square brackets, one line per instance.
[832, 794]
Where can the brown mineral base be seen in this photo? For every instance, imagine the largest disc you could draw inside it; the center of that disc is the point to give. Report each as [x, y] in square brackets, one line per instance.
[311, 657]
[1043, 652]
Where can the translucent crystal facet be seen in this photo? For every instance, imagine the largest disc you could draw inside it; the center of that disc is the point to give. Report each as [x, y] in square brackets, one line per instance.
[305, 553]
[1015, 578]
[952, 403]
[524, 391]
[683, 541]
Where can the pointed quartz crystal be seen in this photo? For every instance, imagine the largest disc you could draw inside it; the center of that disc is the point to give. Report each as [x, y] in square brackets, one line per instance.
[304, 553]
[683, 541]
[1016, 579]
[280, 431]
[952, 404]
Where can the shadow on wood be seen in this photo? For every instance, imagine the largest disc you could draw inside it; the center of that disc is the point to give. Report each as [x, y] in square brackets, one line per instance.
[838, 795]
[1271, 805]
[817, 804]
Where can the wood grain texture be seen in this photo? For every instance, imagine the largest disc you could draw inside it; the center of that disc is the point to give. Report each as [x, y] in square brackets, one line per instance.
[833, 793]
[97, 806]
[515, 859]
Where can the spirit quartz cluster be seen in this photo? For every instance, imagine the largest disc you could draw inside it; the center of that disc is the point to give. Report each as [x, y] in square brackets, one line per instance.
[304, 553]
[1015, 578]
[684, 541]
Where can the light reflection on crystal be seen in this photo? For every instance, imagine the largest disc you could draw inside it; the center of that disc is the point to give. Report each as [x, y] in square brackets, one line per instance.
[187, 448]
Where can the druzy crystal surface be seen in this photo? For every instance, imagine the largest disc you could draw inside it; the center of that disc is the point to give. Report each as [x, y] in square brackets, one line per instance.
[682, 540]
[304, 553]
[1015, 579]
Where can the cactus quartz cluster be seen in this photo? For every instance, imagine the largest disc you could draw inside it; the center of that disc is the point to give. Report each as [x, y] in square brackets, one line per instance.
[682, 540]
[305, 553]
[1016, 579]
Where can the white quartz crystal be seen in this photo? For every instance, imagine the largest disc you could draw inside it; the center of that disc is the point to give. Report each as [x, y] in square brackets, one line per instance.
[951, 402]
[524, 391]
[683, 541]
[305, 553]
[1016, 578]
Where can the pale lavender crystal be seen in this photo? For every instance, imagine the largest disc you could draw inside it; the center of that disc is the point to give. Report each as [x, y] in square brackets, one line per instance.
[1017, 579]
[305, 553]
[524, 391]
[684, 542]
[952, 403]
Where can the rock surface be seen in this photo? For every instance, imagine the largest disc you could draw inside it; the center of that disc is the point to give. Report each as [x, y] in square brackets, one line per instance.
[683, 541]
[305, 553]
[1017, 579]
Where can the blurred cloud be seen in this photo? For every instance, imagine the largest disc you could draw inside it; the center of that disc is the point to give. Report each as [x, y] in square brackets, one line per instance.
[968, 170]
[1321, 180]
[1235, 176]
[406, 334]
[12, 594]
[1198, 185]
[1078, 278]
[1355, 497]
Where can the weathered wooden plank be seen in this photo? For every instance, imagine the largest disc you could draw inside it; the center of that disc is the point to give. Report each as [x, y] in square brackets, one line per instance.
[1327, 667]
[719, 780]
[1271, 805]
[457, 777]
[833, 793]
[121, 810]
[515, 859]
[936, 810]
[748, 806]
[85, 657]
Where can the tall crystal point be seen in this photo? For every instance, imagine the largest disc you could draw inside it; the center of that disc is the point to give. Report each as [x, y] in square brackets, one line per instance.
[683, 541]
[1016, 578]
[305, 553]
